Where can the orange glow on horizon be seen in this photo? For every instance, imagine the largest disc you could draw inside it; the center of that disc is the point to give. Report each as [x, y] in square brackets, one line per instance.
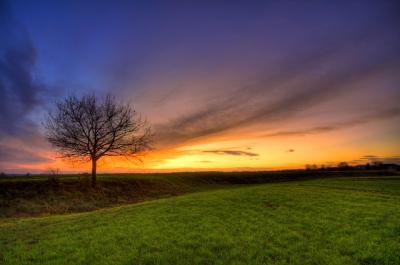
[232, 152]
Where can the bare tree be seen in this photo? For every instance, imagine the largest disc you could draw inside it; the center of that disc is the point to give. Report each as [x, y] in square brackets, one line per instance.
[90, 128]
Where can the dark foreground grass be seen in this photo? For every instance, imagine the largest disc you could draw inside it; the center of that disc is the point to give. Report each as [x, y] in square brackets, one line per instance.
[329, 221]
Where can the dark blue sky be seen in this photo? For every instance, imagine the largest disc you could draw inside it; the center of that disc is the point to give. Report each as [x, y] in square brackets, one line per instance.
[97, 43]
[202, 69]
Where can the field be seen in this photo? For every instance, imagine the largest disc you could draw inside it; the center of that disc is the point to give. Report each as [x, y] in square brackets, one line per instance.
[347, 220]
[45, 195]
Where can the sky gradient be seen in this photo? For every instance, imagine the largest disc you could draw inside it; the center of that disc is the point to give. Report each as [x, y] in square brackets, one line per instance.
[240, 85]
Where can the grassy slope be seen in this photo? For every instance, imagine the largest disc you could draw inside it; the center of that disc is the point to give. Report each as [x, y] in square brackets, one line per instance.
[38, 195]
[329, 221]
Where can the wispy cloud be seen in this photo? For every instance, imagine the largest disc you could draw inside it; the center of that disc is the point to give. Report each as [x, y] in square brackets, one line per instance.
[375, 158]
[231, 152]
[20, 155]
[304, 90]
[382, 115]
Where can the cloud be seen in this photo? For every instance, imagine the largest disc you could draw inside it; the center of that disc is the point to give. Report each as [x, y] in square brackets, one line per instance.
[231, 152]
[314, 76]
[18, 155]
[20, 95]
[382, 115]
[19, 88]
[375, 158]
[369, 157]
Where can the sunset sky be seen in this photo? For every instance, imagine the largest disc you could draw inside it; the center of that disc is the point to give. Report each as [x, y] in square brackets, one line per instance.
[226, 85]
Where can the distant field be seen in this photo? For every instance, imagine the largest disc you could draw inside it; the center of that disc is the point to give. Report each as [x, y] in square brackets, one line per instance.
[324, 221]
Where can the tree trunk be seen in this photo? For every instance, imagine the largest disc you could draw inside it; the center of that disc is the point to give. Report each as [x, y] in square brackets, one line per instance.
[94, 172]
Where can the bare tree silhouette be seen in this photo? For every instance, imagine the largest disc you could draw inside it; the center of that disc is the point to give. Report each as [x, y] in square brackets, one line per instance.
[90, 128]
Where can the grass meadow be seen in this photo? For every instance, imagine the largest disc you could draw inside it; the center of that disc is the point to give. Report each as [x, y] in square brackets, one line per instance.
[323, 221]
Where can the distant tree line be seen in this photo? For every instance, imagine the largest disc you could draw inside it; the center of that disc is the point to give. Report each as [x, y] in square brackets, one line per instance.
[346, 166]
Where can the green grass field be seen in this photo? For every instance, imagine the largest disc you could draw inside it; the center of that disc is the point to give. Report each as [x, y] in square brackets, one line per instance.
[326, 221]
[42, 195]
